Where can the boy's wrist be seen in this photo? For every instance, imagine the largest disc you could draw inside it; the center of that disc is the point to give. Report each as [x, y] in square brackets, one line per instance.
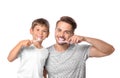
[20, 44]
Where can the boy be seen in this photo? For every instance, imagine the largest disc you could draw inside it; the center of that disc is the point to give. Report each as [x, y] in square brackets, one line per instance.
[31, 52]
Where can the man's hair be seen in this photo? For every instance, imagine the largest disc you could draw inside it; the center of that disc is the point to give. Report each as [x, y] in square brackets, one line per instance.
[68, 20]
[40, 21]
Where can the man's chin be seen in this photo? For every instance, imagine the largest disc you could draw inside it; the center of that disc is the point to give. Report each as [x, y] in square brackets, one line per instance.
[61, 43]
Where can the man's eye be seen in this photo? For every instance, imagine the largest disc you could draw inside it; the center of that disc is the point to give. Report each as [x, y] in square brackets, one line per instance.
[68, 32]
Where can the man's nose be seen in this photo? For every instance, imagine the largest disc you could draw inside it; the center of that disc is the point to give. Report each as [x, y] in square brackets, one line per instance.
[62, 34]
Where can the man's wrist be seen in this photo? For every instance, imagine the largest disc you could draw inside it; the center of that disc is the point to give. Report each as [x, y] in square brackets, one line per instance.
[84, 38]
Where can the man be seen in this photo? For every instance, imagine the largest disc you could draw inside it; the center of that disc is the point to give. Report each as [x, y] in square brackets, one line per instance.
[67, 59]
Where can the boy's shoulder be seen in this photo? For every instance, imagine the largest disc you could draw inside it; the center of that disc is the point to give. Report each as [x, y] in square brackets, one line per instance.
[50, 46]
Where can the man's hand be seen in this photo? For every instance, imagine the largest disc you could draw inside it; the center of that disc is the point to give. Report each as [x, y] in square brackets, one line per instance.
[76, 39]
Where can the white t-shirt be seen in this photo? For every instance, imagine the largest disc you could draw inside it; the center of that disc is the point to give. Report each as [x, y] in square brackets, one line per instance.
[32, 62]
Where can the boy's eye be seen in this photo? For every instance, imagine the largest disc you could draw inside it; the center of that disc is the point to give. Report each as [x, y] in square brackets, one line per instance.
[37, 29]
[45, 31]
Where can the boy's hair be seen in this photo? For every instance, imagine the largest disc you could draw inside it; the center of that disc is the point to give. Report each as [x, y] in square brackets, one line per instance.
[68, 20]
[40, 21]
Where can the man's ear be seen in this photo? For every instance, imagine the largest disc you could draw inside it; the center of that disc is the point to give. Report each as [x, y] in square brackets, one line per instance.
[31, 31]
[72, 33]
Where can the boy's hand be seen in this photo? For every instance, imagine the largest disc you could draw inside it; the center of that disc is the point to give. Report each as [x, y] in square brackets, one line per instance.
[26, 43]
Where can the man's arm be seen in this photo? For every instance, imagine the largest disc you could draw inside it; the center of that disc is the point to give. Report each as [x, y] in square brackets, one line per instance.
[99, 48]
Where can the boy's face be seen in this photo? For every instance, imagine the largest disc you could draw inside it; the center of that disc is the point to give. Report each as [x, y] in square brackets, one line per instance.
[39, 31]
[63, 31]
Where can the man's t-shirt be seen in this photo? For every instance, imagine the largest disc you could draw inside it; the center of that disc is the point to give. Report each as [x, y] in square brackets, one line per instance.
[68, 64]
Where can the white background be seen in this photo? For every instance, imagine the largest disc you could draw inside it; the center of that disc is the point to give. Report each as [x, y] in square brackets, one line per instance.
[95, 18]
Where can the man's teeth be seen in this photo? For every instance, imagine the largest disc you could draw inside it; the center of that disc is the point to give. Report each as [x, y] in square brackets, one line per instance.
[61, 39]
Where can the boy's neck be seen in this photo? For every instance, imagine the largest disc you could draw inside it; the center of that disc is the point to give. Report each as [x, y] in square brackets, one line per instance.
[38, 45]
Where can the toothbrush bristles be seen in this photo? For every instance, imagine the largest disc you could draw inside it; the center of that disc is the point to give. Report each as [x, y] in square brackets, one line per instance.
[37, 40]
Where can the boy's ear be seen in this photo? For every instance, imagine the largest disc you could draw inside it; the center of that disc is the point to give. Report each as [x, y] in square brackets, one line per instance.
[48, 34]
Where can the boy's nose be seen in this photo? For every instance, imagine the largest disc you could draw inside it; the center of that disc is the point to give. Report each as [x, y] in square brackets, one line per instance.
[40, 33]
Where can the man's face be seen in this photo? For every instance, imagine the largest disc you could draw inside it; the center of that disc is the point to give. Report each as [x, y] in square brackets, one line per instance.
[63, 31]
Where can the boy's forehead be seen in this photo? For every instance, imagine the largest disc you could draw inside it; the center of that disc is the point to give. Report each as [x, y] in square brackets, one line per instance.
[41, 27]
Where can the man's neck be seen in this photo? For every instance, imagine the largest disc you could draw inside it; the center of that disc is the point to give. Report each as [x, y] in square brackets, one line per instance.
[61, 47]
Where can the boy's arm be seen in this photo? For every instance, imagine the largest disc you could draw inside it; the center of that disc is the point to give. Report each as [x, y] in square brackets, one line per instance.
[15, 51]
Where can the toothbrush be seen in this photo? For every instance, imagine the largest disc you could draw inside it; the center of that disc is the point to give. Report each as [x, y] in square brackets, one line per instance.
[62, 42]
[37, 40]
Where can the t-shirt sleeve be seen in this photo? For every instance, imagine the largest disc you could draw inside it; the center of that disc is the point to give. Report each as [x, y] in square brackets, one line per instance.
[20, 52]
[85, 49]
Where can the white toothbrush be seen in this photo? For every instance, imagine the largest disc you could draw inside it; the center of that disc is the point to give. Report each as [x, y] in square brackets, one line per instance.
[62, 42]
[37, 40]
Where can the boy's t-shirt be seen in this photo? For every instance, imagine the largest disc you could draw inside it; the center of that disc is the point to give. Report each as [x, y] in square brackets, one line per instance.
[68, 64]
[32, 62]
